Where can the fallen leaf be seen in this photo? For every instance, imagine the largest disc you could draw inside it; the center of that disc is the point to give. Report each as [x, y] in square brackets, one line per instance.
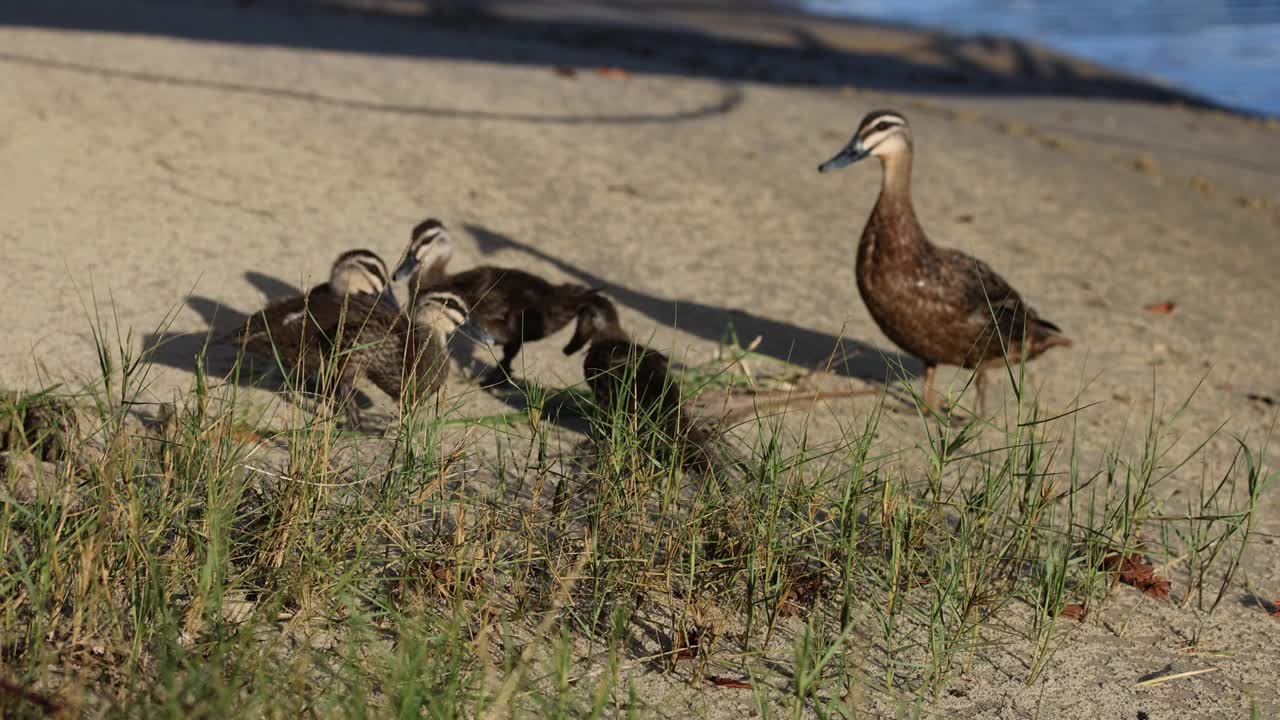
[1275, 608]
[565, 71]
[1074, 611]
[1164, 307]
[613, 73]
[1136, 572]
[725, 682]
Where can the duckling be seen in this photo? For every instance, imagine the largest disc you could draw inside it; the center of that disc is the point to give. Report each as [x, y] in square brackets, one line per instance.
[359, 334]
[510, 306]
[426, 260]
[619, 369]
[279, 327]
[938, 304]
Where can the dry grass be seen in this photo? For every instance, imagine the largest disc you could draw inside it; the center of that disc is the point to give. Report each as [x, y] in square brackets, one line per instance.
[202, 564]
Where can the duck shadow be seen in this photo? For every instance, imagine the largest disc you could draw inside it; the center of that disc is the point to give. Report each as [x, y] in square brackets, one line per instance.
[203, 349]
[560, 407]
[778, 339]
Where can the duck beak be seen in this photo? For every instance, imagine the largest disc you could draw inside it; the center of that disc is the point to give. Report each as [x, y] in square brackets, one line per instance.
[852, 153]
[389, 296]
[474, 332]
[405, 269]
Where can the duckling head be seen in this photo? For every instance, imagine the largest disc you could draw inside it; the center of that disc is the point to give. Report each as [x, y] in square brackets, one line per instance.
[443, 312]
[597, 318]
[429, 247]
[882, 134]
[358, 272]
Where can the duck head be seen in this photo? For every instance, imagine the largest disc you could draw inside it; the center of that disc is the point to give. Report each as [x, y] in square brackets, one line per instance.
[429, 247]
[446, 313]
[882, 134]
[597, 318]
[443, 312]
[359, 272]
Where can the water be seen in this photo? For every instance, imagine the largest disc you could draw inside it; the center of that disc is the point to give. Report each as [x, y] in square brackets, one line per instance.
[1226, 50]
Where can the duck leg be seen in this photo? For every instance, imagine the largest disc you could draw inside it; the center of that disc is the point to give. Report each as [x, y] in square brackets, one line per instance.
[346, 400]
[509, 351]
[929, 398]
[980, 387]
[502, 373]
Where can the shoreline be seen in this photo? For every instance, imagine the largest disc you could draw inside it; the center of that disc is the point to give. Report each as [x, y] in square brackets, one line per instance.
[1059, 43]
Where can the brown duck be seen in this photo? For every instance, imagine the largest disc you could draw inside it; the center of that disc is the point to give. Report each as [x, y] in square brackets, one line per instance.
[357, 334]
[620, 370]
[278, 328]
[511, 306]
[938, 304]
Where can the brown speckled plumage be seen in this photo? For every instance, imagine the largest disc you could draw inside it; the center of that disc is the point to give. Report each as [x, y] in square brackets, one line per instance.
[323, 335]
[938, 304]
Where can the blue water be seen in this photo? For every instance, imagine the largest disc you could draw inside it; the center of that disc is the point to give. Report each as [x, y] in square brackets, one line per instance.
[1226, 50]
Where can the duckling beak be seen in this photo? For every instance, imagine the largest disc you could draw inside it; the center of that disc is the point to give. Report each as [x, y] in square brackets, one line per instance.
[852, 153]
[405, 269]
[474, 332]
[388, 296]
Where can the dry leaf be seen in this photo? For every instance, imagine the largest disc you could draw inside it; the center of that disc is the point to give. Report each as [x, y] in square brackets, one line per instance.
[565, 71]
[1134, 571]
[613, 73]
[725, 682]
[1164, 307]
[1074, 611]
[1275, 608]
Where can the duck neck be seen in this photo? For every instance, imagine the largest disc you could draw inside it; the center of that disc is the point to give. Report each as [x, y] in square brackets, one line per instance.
[893, 223]
[612, 333]
[895, 185]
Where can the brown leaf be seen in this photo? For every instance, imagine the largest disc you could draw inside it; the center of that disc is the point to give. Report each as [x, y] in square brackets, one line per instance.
[1275, 608]
[1074, 611]
[565, 71]
[1164, 307]
[613, 73]
[725, 682]
[1135, 571]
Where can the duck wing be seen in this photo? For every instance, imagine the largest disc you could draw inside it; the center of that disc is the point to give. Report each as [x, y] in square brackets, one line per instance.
[991, 304]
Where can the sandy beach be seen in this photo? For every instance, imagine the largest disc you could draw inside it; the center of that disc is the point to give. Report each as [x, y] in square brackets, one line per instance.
[171, 166]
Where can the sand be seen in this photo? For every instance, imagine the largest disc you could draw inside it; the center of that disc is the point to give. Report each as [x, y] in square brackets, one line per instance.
[187, 161]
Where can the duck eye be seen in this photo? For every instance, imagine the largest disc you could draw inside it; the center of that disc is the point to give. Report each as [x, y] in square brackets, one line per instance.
[882, 126]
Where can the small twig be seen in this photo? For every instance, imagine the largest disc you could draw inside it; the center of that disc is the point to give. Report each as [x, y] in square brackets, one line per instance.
[1176, 676]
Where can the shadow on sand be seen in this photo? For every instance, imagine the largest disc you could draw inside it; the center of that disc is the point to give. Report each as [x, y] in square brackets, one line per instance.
[779, 340]
[758, 42]
[184, 350]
